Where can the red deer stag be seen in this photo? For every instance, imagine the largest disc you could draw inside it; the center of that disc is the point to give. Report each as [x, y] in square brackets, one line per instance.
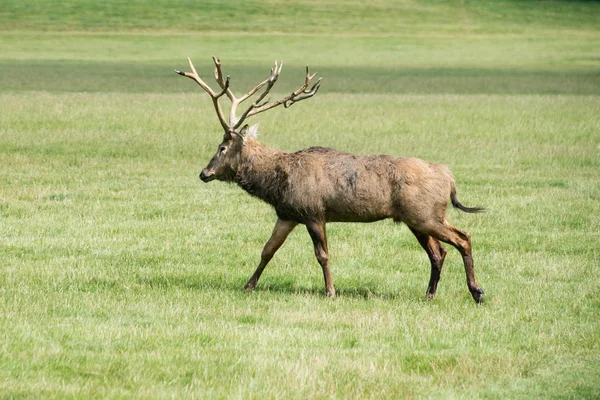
[319, 185]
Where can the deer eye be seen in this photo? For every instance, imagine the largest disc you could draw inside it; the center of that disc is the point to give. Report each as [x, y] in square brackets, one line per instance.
[222, 149]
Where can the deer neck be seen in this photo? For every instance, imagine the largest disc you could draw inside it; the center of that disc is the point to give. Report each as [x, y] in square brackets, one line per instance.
[261, 171]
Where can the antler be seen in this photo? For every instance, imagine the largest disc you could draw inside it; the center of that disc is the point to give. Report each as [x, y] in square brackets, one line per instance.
[256, 107]
[299, 94]
[215, 96]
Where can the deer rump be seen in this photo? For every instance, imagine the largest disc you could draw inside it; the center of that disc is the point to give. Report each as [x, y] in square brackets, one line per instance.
[324, 184]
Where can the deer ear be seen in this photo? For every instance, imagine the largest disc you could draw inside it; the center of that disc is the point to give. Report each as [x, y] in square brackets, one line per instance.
[244, 131]
[237, 135]
[247, 132]
[253, 131]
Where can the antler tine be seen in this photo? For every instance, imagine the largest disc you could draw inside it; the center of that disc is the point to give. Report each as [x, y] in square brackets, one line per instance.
[192, 67]
[280, 67]
[219, 78]
[217, 62]
[275, 71]
[305, 94]
[301, 93]
[309, 77]
[214, 96]
[225, 88]
[194, 75]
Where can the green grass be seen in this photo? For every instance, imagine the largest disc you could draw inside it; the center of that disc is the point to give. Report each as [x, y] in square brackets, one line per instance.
[303, 16]
[121, 272]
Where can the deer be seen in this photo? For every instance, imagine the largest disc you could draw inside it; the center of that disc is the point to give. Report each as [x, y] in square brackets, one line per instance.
[317, 185]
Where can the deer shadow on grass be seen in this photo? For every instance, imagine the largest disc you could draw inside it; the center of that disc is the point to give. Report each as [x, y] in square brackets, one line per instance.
[365, 291]
[279, 285]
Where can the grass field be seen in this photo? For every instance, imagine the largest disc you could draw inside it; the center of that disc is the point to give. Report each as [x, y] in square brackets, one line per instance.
[121, 273]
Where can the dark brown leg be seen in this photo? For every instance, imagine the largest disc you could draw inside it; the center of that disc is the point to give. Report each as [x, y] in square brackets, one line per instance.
[437, 254]
[280, 233]
[319, 238]
[462, 242]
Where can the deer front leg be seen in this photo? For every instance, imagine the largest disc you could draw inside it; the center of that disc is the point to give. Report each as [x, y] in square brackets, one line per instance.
[280, 233]
[319, 238]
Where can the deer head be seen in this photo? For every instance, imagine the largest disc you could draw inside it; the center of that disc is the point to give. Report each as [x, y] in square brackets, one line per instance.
[223, 165]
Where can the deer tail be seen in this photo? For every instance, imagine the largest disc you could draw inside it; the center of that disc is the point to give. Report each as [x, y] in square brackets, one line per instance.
[460, 206]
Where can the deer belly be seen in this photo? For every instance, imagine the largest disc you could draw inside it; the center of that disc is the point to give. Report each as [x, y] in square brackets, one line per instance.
[357, 209]
[359, 196]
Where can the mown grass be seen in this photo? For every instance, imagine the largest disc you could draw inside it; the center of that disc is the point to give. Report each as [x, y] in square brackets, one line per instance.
[121, 272]
[304, 16]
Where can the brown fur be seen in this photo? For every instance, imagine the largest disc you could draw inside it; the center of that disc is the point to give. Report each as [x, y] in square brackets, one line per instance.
[319, 185]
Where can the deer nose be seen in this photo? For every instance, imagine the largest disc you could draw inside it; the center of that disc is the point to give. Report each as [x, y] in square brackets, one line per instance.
[205, 175]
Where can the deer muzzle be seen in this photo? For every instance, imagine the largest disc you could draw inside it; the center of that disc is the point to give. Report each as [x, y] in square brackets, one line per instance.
[207, 175]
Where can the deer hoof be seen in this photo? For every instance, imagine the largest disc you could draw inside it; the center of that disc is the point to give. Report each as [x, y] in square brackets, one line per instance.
[249, 288]
[478, 295]
[330, 293]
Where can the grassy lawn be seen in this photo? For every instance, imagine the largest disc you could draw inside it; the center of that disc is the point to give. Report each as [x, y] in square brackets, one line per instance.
[122, 273]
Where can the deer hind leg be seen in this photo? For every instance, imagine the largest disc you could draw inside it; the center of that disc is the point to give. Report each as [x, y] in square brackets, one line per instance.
[462, 242]
[319, 237]
[436, 253]
[280, 233]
